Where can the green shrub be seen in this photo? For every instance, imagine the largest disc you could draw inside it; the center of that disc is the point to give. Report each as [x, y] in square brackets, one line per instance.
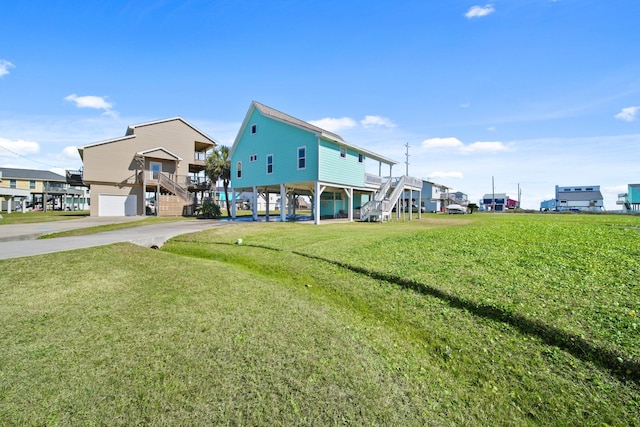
[209, 209]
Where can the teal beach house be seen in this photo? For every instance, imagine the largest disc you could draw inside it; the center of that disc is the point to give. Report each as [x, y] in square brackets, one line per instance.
[277, 153]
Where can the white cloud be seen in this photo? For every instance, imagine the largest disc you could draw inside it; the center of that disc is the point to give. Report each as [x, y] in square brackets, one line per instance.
[457, 145]
[19, 147]
[334, 125]
[442, 143]
[628, 114]
[95, 102]
[4, 67]
[485, 147]
[70, 153]
[450, 174]
[465, 105]
[478, 11]
[372, 121]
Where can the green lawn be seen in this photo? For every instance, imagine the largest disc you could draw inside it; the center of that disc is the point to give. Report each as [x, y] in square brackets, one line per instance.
[39, 216]
[450, 320]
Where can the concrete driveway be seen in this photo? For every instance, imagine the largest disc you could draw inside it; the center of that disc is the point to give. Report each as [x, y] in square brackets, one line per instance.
[19, 240]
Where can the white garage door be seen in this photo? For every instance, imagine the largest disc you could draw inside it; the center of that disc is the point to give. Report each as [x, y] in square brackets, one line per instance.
[117, 205]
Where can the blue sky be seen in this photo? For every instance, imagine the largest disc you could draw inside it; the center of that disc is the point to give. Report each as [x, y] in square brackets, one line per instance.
[531, 92]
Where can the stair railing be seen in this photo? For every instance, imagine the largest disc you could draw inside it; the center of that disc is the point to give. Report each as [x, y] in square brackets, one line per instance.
[169, 184]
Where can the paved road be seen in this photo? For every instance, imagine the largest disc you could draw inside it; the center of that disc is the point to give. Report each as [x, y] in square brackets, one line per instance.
[19, 240]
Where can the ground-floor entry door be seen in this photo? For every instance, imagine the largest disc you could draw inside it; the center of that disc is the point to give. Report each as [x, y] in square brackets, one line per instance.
[117, 205]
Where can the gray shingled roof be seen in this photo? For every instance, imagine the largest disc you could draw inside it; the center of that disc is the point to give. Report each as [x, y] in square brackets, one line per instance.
[572, 196]
[31, 174]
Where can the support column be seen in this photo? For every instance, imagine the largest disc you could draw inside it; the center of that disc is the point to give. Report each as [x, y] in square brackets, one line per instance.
[233, 203]
[410, 204]
[420, 204]
[349, 192]
[266, 200]
[254, 203]
[283, 203]
[316, 205]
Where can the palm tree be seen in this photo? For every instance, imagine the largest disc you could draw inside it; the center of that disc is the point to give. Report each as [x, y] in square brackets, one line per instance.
[219, 167]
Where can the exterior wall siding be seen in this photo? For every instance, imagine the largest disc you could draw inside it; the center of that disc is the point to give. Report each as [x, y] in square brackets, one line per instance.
[113, 161]
[340, 170]
[634, 193]
[275, 138]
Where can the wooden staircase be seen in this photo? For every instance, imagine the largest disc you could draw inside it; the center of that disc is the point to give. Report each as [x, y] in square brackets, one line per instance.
[174, 201]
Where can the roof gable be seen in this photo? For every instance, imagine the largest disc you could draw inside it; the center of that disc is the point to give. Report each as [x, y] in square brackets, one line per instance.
[290, 120]
[130, 133]
[160, 152]
[131, 128]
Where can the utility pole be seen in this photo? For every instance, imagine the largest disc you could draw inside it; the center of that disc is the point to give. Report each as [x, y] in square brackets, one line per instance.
[407, 158]
[493, 195]
[519, 195]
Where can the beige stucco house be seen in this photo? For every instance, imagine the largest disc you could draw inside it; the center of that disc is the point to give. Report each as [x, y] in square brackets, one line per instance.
[162, 160]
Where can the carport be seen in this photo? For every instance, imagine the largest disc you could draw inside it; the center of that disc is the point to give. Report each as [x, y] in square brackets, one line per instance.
[10, 194]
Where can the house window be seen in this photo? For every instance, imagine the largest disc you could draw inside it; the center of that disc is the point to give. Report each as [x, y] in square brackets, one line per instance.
[360, 157]
[239, 168]
[343, 152]
[269, 164]
[32, 185]
[302, 157]
[12, 183]
[253, 157]
[254, 129]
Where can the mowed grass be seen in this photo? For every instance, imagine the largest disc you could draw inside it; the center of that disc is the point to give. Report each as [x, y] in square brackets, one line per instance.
[39, 216]
[348, 323]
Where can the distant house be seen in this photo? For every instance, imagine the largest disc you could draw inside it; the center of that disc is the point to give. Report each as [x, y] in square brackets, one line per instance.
[630, 200]
[497, 202]
[38, 189]
[580, 198]
[278, 153]
[434, 196]
[163, 161]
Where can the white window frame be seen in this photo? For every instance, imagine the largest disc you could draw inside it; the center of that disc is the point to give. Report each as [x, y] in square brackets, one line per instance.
[239, 170]
[152, 164]
[269, 156]
[304, 147]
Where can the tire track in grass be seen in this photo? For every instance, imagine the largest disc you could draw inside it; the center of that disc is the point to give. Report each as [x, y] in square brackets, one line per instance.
[623, 367]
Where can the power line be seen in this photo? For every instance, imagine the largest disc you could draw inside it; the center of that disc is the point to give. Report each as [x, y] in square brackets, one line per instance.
[31, 160]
